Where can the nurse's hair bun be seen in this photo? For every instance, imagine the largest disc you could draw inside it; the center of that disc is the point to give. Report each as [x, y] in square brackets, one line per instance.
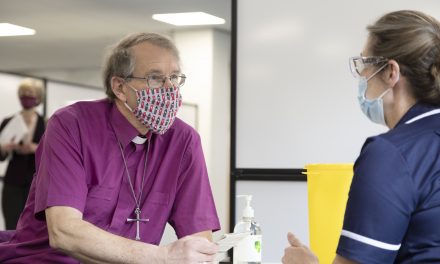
[435, 72]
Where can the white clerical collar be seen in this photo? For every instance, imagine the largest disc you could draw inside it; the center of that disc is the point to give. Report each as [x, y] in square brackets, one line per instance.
[139, 140]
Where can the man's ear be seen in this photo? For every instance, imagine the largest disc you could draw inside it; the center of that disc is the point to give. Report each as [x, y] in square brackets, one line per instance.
[118, 88]
[392, 73]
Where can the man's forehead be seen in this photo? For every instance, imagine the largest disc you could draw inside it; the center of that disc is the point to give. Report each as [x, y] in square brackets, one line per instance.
[151, 51]
[150, 57]
[159, 66]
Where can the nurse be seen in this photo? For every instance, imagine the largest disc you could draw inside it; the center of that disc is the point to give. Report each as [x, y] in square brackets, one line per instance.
[393, 209]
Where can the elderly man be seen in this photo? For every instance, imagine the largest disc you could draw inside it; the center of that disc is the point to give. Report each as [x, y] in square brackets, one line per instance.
[112, 173]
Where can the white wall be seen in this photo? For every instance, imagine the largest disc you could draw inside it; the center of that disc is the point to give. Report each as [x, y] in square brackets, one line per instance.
[294, 63]
[63, 94]
[220, 122]
[279, 207]
[90, 76]
[205, 56]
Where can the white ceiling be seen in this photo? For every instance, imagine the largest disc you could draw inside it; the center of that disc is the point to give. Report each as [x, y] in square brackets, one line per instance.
[73, 34]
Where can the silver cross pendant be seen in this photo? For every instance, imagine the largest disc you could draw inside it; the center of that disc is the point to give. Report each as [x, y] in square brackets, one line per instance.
[138, 219]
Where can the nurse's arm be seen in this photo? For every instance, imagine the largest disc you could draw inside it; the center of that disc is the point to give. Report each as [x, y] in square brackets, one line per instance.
[69, 233]
[341, 260]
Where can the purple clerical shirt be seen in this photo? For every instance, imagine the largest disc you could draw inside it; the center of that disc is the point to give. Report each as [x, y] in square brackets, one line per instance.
[80, 165]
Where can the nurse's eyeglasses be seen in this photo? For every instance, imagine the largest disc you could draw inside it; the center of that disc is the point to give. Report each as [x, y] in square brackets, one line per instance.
[358, 64]
[154, 81]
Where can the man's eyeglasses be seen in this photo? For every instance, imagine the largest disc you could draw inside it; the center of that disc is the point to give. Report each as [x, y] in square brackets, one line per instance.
[358, 64]
[154, 81]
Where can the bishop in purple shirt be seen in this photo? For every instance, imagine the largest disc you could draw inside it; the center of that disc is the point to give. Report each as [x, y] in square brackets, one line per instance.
[111, 173]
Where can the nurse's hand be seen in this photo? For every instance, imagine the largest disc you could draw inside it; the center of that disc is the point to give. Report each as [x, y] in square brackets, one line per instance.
[191, 249]
[297, 253]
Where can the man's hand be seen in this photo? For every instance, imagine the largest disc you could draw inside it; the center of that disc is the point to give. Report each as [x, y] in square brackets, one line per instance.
[297, 253]
[190, 249]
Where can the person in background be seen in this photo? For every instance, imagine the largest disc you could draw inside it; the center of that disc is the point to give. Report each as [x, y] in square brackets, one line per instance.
[21, 167]
[111, 173]
[393, 209]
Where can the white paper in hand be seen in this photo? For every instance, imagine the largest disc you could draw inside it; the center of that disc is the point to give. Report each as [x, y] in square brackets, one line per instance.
[14, 131]
[228, 241]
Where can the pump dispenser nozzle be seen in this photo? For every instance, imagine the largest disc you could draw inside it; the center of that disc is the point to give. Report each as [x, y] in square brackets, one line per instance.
[248, 211]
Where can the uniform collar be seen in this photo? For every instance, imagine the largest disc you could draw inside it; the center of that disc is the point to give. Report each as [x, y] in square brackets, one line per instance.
[416, 110]
[125, 132]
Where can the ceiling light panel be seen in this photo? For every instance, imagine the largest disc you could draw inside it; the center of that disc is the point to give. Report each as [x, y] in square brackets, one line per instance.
[7, 29]
[189, 19]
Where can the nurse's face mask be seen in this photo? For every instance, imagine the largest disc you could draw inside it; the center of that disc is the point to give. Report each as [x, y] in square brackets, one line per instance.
[157, 105]
[372, 108]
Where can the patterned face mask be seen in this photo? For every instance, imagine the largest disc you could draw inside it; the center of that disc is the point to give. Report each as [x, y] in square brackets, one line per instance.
[157, 108]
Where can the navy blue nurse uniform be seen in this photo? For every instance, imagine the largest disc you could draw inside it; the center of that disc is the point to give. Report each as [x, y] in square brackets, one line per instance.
[393, 209]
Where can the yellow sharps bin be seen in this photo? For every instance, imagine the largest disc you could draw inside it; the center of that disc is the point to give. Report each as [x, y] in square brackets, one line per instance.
[328, 186]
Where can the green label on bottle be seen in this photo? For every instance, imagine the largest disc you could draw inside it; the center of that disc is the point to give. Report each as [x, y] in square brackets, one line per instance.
[257, 246]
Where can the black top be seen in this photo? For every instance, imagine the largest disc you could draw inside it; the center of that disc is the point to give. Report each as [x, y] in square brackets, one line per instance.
[21, 168]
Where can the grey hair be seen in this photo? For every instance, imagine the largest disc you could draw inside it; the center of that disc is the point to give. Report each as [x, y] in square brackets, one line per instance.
[120, 61]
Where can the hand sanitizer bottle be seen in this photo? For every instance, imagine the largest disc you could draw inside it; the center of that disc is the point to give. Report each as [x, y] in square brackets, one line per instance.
[249, 249]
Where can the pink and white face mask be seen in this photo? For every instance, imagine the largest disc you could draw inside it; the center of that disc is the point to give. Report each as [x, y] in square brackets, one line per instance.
[157, 108]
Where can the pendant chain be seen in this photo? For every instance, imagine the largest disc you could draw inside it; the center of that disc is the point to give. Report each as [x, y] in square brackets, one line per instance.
[136, 200]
